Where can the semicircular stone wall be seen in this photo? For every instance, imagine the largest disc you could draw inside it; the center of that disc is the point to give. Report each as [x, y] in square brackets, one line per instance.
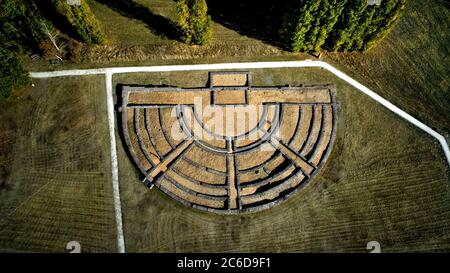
[231, 147]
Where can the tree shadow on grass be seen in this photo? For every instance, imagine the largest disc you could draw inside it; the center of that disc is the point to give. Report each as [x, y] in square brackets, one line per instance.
[158, 24]
[259, 19]
[48, 10]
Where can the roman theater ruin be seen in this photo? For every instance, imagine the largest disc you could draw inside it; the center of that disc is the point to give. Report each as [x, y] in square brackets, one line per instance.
[231, 147]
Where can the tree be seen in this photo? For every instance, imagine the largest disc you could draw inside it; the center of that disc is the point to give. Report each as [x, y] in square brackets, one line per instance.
[81, 18]
[307, 24]
[20, 30]
[12, 73]
[338, 25]
[194, 21]
[297, 23]
[328, 17]
[388, 15]
[344, 32]
[362, 26]
[21, 25]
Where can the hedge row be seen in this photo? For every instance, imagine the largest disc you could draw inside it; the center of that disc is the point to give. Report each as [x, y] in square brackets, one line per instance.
[338, 25]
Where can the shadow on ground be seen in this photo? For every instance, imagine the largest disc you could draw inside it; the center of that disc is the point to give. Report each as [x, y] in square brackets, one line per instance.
[158, 24]
[259, 19]
[48, 10]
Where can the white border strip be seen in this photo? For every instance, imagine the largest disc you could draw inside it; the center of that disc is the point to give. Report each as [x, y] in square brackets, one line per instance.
[114, 163]
[108, 72]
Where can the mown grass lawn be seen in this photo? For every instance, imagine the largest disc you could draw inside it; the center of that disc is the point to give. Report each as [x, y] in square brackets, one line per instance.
[385, 181]
[57, 187]
[409, 67]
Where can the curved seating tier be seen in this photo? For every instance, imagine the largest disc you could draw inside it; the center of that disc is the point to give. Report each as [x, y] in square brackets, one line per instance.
[278, 156]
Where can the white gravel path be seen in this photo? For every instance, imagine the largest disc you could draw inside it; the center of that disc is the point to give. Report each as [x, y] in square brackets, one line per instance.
[109, 72]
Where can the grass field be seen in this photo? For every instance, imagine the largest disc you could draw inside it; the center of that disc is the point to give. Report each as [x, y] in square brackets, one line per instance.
[56, 185]
[385, 179]
[56, 182]
[143, 38]
[409, 67]
[393, 188]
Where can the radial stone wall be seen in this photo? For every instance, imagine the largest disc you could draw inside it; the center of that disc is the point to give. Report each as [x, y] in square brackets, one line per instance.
[231, 147]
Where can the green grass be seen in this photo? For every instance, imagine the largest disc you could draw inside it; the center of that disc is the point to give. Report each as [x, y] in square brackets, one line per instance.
[115, 25]
[131, 32]
[409, 67]
[57, 182]
[134, 42]
[385, 180]
[390, 187]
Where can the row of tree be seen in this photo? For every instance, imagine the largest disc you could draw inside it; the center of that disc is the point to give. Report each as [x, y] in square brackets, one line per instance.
[338, 25]
[308, 26]
[26, 25]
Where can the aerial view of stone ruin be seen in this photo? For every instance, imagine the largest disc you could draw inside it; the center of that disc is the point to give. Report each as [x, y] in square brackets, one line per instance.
[254, 148]
[224, 132]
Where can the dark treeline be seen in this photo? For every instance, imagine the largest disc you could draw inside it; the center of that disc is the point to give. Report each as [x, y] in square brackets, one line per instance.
[338, 25]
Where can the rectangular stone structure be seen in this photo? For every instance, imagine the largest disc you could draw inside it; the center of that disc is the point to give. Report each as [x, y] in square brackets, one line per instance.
[229, 97]
[224, 79]
[292, 95]
[189, 142]
[155, 97]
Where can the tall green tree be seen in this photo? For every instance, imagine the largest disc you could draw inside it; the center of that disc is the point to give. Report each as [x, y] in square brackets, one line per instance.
[387, 16]
[194, 21]
[20, 25]
[307, 24]
[344, 32]
[297, 23]
[331, 10]
[81, 18]
[338, 25]
[361, 26]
